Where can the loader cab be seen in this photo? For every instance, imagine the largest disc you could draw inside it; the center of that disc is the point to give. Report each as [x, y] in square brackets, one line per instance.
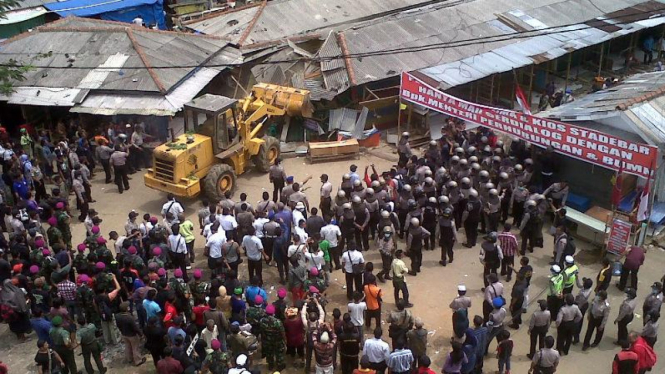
[214, 116]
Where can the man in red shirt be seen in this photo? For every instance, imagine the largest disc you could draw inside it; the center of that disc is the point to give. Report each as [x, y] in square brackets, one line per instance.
[634, 259]
[625, 362]
[169, 365]
[646, 357]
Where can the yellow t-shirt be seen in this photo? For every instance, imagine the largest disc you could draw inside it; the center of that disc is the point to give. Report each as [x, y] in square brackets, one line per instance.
[187, 231]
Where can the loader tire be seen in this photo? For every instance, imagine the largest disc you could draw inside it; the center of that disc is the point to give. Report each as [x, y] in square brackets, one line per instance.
[220, 178]
[267, 154]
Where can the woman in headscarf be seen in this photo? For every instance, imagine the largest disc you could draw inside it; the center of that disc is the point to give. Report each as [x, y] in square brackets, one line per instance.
[15, 309]
[224, 302]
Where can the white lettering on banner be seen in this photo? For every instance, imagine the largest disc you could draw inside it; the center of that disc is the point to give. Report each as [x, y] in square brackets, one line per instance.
[584, 144]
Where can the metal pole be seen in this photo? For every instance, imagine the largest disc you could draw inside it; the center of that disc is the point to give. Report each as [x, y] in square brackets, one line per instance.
[570, 57]
[600, 63]
[530, 86]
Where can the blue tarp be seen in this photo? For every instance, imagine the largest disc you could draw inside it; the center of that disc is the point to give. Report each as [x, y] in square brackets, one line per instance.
[151, 11]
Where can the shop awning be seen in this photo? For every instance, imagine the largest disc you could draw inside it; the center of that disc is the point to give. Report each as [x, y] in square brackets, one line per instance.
[45, 96]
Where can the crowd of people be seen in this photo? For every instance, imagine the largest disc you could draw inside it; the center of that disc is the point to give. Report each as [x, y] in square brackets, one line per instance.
[140, 285]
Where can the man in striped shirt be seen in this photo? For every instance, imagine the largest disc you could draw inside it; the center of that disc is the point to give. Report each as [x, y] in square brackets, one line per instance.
[508, 243]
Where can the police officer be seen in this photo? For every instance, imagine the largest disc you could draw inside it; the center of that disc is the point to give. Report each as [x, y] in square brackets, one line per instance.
[493, 209]
[471, 218]
[373, 207]
[528, 227]
[490, 256]
[361, 222]
[429, 222]
[403, 199]
[347, 184]
[386, 249]
[414, 242]
[566, 321]
[347, 225]
[518, 200]
[484, 193]
[555, 291]
[505, 188]
[456, 200]
[338, 203]
[404, 149]
[447, 235]
[569, 275]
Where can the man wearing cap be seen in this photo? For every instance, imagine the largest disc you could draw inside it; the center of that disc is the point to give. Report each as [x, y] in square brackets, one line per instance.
[569, 275]
[273, 343]
[324, 341]
[626, 315]
[63, 345]
[555, 291]
[217, 361]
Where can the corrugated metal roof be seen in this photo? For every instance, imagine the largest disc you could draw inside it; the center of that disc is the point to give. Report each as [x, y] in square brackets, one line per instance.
[282, 19]
[146, 63]
[652, 120]
[20, 15]
[468, 20]
[45, 96]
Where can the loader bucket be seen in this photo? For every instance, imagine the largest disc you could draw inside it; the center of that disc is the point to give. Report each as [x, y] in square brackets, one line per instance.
[295, 101]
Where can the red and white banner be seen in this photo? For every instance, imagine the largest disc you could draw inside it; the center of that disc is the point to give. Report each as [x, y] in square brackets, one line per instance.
[584, 144]
[619, 236]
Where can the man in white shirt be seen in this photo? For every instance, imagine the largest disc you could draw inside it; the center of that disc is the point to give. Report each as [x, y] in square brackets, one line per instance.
[172, 206]
[377, 351]
[332, 234]
[298, 214]
[214, 244]
[178, 249]
[297, 250]
[326, 200]
[350, 258]
[357, 310]
[113, 235]
[300, 231]
[228, 223]
[255, 255]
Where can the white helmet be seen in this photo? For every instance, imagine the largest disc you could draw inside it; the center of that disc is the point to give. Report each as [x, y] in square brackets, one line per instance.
[459, 150]
[556, 269]
[465, 180]
[503, 175]
[473, 192]
[415, 222]
[346, 205]
[489, 186]
[428, 171]
[519, 167]
[357, 183]
[441, 170]
[443, 199]
[493, 191]
[463, 162]
[452, 184]
[385, 214]
[405, 133]
[429, 180]
[356, 199]
[475, 166]
[432, 143]
[432, 199]
[528, 161]
[376, 184]
[473, 159]
[369, 191]
[454, 158]
[540, 197]
[569, 260]
[471, 149]
[484, 174]
[341, 193]
[407, 187]
[346, 176]
[496, 159]
[530, 203]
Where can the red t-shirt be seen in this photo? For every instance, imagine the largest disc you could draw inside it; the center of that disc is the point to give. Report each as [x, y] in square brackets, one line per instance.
[170, 313]
[198, 312]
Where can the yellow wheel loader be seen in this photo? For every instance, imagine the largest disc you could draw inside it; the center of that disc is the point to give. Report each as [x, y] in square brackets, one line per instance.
[220, 140]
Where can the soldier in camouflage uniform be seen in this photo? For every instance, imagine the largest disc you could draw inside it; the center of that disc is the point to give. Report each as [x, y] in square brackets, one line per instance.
[157, 259]
[274, 340]
[217, 361]
[103, 280]
[255, 314]
[182, 292]
[53, 233]
[80, 261]
[103, 254]
[63, 224]
[198, 288]
[91, 241]
[314, 279]
[85, 297]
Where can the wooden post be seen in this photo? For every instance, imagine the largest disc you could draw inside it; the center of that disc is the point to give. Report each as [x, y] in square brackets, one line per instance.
[408, 118]
[498, 90]
[491, 88]
[512, 90]
[570, 57]
[600, 62]
[530, 86]
[399, 119]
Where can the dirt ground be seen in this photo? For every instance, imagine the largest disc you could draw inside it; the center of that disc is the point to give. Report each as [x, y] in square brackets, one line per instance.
[431, 290]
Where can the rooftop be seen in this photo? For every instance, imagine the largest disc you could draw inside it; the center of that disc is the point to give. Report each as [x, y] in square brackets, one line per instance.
[111, 56]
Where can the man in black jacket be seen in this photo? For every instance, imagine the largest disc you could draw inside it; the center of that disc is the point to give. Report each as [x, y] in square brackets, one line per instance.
[131, 335]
